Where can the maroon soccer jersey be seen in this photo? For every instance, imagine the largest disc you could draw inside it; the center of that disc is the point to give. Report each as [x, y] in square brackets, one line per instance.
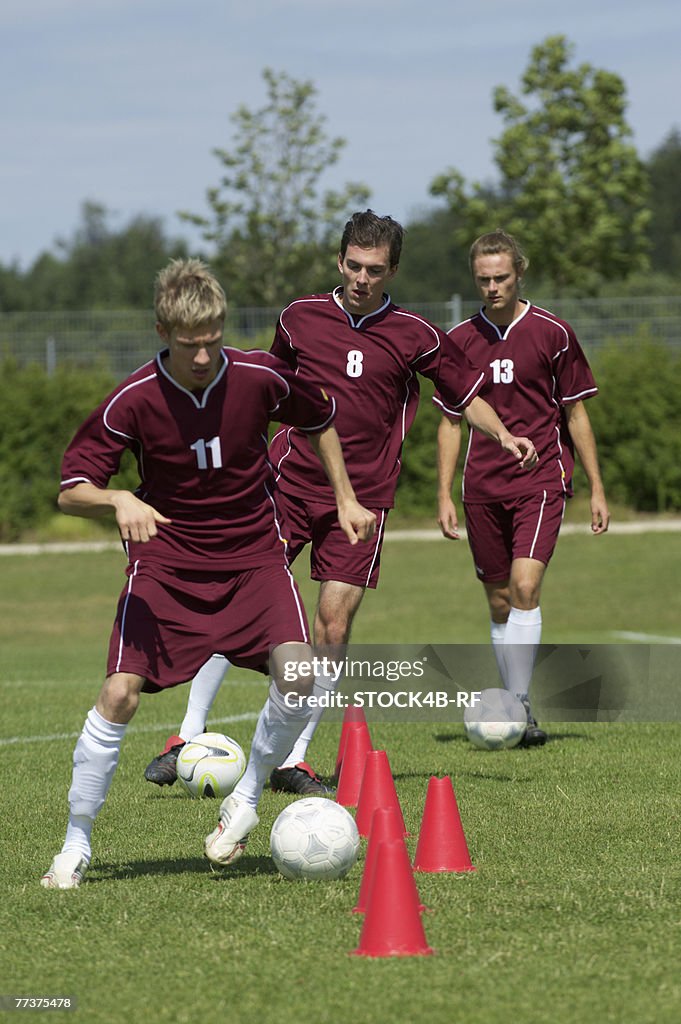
[534, 367]
[371, 365]
[202, 456]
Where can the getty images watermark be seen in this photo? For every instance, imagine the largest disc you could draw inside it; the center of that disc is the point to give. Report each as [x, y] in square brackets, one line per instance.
[626, 682]
[329, 671]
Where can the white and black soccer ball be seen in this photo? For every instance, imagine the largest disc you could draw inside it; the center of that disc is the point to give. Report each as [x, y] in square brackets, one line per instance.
[497, 721]
[314, 838]
[211, 765]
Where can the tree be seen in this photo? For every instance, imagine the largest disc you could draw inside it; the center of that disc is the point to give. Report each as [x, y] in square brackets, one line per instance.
[573, 188]
[97, 268]
[274, 233]
[433, 266]
[664, 168]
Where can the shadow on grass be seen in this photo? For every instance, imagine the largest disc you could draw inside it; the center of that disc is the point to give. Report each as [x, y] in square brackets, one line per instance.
[190, 865]
[553, 737]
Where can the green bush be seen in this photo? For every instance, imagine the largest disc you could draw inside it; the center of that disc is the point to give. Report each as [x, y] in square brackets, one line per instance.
[636, 418]
[38, 416]
[637, 421]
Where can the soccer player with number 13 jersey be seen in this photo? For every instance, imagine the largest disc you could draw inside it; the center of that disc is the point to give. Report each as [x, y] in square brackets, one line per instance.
[538, 380]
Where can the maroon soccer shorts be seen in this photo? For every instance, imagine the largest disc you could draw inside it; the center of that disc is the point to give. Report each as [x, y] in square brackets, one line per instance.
[525, 527]
[332, 556]
[169, 622]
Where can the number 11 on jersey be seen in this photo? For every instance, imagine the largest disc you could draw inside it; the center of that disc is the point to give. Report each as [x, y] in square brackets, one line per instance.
[204, 448]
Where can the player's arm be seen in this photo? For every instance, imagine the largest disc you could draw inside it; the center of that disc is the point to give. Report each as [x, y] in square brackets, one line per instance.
[448, 448]
[581, 432]
[481, 416]
[356, 521]
[136, 520]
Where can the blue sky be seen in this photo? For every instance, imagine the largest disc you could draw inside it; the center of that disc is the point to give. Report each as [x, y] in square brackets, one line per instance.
[123, 102]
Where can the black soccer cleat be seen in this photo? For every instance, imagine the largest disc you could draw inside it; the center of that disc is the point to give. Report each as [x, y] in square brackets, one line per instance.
[300, 779]
[163, 769]
[533, 736]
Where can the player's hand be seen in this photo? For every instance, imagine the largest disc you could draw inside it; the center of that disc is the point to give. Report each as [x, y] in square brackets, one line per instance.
[356, 522]
[522, 449]
[136, 520]
[600, 514]
[448, 519]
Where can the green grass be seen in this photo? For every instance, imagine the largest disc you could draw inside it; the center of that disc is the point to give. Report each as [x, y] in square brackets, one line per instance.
[571, 916]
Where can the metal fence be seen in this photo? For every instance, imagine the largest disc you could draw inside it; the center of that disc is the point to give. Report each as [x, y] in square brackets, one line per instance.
[121, 341]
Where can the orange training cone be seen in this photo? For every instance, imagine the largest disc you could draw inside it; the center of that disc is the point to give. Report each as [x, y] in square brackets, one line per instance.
[357, 746]
[385, 824]
[353, 716]
[377, 790]
[442, 844]
[392, 925]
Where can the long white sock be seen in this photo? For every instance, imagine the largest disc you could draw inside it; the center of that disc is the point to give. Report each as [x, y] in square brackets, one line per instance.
[323, 684]
[276, 731]
[202, 694]
[521, 640]
[498, 632]
[94, 762]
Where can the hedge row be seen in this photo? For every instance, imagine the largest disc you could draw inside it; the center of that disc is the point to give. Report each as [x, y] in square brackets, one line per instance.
[636, 417]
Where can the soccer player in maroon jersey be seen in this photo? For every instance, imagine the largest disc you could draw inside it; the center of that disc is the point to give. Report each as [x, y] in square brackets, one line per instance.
[368, 353]
[207, 568]
[538, 379]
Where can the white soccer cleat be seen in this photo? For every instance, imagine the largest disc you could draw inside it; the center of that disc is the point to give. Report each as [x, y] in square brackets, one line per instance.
[66, 871]
[226, 843]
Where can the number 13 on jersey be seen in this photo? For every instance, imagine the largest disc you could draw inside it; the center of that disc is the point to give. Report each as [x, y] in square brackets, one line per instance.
[502, 371]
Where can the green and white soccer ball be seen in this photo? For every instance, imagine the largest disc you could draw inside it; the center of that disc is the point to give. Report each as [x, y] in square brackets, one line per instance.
[497, 721]
[314, 838]
[211, 765]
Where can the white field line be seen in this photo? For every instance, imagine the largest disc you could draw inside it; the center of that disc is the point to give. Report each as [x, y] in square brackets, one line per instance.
[5, 741]
[76, 547]
[646, 638]
[644, 526]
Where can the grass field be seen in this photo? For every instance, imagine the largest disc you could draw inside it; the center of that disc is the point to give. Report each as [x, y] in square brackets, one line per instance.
[571, 916]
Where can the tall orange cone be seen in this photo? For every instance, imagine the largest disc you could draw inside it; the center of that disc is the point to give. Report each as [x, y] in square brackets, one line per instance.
[377, 790]
[441, 844]
[353, 718]
[392, 925]
[385, 824]
[357, 746]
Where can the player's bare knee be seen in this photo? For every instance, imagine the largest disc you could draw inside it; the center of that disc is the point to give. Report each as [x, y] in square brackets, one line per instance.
[525, 594]
[119, 697]
[292, 668]
[499, 599]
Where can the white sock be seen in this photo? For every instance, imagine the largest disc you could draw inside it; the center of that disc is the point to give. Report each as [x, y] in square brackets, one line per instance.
[521, 640]
[202, 694]
[322, 685]
[498, 632]
[94, 762]
[276, 731]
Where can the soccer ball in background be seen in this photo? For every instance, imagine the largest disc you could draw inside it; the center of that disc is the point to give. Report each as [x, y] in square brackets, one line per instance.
[211, 765]
[314, 838]
[497, 722]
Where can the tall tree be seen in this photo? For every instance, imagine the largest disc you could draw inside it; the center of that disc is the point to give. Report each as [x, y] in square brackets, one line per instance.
[664, 168]
[96, 268]
[273, 232]
[434, 263]
[572, 187]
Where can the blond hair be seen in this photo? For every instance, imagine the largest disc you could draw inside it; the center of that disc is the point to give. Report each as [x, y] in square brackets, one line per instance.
[186, 294]
[495, 242]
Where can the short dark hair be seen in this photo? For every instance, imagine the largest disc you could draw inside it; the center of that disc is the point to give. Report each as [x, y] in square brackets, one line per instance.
[369, 231]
